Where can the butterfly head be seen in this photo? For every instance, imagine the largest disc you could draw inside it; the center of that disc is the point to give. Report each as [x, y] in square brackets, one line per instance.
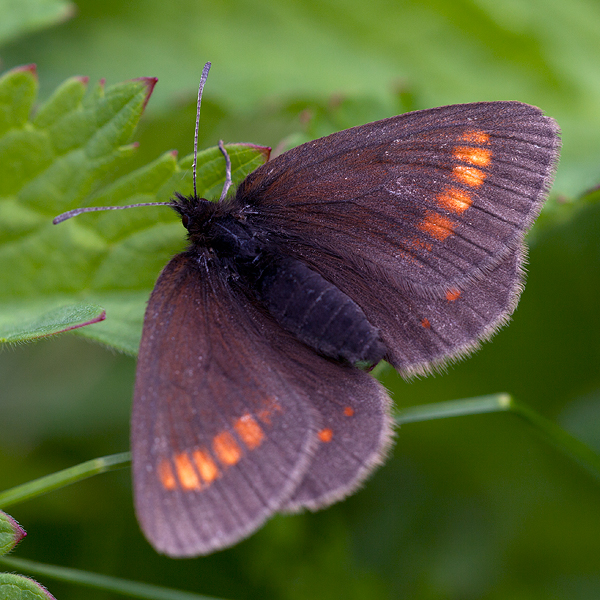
[196, 213]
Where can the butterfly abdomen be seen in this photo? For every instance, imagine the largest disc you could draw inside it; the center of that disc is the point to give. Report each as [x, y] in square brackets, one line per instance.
[317, 312]
[298, 298]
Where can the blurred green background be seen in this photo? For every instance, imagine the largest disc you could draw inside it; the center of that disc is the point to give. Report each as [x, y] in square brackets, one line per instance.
[472, 507]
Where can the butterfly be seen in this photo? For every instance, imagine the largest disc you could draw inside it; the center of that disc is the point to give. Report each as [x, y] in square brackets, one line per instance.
[400, 240]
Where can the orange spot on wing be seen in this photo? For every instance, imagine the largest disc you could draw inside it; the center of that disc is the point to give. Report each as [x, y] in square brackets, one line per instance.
[165, 475]
[454, 200]
[188, 478]
[475, 136]
[425, 323]
[206, 466]
[226, 448]
[325, 435]
[249, 431]
[480, 157]
[270, 406]
[437, 226]
[348, 411]
[265, 416]
[419, 245]
[468, 175]
[452, 295]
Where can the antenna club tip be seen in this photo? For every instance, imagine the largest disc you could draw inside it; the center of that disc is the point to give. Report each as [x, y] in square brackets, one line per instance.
[204, 76]
[61, 218]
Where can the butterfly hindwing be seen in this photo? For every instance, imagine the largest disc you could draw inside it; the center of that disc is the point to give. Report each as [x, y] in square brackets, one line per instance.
[356, 426]
[355, 436]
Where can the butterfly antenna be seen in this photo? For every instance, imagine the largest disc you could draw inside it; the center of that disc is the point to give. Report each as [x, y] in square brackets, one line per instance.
[78, 211]
[200, 89]
[227, 183]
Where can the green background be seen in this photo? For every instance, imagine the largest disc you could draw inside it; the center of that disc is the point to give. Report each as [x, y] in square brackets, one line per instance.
[473, 507]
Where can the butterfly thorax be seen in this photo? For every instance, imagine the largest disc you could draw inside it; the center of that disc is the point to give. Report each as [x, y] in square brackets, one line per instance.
[296, 296]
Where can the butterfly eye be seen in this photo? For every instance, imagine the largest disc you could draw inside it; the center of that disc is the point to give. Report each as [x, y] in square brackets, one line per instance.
[185, 220]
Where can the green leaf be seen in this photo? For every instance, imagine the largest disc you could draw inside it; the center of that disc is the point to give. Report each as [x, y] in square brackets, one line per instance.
[57, 278]
[16, 326]
[18, 587]
[11, 533]
[27, 16]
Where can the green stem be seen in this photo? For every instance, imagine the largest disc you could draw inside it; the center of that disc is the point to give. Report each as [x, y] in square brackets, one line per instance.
[453, 408]
[551, 432]
[46, 484]
[125, 587]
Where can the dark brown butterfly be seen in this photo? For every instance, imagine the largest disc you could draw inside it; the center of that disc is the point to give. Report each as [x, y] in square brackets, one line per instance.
[399, 240]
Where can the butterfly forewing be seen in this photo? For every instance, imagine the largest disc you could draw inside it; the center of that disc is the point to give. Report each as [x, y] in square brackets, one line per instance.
[219, 439]
[433, 199]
